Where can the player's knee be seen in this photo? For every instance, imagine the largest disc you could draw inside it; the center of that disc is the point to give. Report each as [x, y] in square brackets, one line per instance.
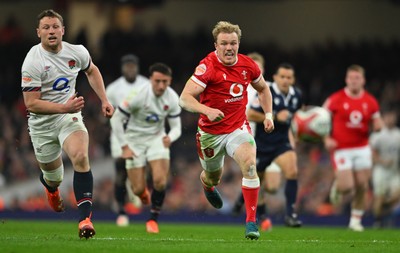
[138, 191]
[160, 184]
[80, 161]
[54, 177]
[271, 189]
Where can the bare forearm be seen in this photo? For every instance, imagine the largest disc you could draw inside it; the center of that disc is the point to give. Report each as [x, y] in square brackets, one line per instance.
[96, 82]
[191, 104]
[46, 107]
[265, 98]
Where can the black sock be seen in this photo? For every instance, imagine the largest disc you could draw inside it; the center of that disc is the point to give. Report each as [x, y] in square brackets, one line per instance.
[48, 187]
[240, 201]
[261, 214]
[291, 195]
[157, 200]
[83, 189]
[120, 186]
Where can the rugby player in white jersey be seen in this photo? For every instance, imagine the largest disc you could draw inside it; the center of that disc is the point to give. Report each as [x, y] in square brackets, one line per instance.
[55, 122]
[386, 170]
[116, 91]
[145, 139]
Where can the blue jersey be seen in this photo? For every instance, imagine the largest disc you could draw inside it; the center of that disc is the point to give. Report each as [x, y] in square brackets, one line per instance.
[270, 142]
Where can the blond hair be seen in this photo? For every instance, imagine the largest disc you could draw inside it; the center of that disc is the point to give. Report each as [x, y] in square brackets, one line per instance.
[257, 57]
[226, 27]
[356, 68]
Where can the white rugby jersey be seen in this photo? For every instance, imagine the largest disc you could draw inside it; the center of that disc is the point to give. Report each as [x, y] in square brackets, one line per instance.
[116, 92]
[54, 75]
[146, 112]
[387, 144]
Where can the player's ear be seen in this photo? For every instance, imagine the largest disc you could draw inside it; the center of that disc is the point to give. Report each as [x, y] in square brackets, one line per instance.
[37, 32]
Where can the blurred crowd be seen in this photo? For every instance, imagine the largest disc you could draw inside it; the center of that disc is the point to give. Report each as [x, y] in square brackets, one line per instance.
[320, 70]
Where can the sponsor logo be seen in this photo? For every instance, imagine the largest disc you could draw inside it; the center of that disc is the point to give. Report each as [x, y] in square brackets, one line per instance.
[201, 69]
[26, 79]
[152, 118]
[236, 90]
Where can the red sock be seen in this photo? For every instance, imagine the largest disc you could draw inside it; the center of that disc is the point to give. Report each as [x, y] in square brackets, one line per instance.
[250, 196]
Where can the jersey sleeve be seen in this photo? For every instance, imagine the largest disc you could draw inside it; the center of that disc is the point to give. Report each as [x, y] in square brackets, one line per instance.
[203, 73]
[255, 74]
[375, 109]
[30, 75]
[175, 108]
[84, 57]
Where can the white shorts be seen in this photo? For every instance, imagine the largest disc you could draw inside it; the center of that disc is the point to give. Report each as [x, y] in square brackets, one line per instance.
[147, 148]
[212, 148]
[352, 158]
[47, 143]
[385, 181]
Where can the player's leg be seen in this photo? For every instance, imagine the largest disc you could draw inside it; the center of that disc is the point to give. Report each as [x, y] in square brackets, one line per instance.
[380, 189]
[287, 162]
[242, 148]
[137, 178]
[362, 175]
[342, 162]
[120, 191]
[76, 146]
[212, 161]
[51, 177]
[358, 204]
[48, 154]
[159, 171]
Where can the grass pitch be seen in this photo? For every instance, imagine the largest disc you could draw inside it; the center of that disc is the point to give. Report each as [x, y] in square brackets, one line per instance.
[62, 236]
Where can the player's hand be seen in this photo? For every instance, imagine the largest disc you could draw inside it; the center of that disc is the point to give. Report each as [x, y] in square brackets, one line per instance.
[166, 141]
[107, 109]
[269, 125]
[330, 143]
[74, 104]
[214, 115]
[128, 153]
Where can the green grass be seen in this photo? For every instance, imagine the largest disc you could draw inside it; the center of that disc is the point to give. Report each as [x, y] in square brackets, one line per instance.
[61, 236]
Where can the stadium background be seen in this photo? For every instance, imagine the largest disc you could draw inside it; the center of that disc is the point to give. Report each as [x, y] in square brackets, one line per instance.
[320, 38]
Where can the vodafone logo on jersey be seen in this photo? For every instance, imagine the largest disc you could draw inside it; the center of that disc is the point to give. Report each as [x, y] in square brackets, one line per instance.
[236, 90]
[355, 119]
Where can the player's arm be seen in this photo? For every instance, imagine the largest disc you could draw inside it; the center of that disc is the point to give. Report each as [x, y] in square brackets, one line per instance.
[35, 104]
[188, 101]
[117, 121]
[265, 97]
[175, 131]
[377, 123]
[255, 116]
[96, 82]
[329, 143]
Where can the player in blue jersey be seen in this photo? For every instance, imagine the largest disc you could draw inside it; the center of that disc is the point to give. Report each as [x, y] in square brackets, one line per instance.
[275, 151]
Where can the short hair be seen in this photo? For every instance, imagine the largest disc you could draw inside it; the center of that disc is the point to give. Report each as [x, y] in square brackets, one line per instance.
[160, 67]
[357, 68]
[226, 27]
[257, 57]
[49, 13]
[285, 65]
